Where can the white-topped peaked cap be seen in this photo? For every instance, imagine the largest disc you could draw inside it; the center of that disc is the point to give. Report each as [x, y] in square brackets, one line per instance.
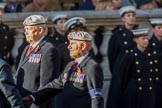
[2, 5]
[80, 36]
[156, 20]
[74, 22]
[34, 20]
[125, 9]
[59, 17]
[140, 32]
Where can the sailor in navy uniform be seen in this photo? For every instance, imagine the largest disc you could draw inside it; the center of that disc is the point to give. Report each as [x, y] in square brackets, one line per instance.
[133, 86]
[6, 39]
[156, 47]
[59, 35]
[121, 39]
[82, 79]
[120, 43]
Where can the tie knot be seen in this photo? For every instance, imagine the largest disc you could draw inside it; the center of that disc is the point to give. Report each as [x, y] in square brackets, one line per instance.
[29, 50]
[74, 66]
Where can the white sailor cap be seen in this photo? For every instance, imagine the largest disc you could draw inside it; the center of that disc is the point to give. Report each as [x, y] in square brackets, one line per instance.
[156, 20]
[2, 5]
[74, 22]
[34, 20]
[59, 17]
[140, 32]
[125, 9]
[79, 36]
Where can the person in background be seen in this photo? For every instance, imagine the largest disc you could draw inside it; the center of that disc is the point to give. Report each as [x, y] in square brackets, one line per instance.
[104, 5]
[42, 5]
[58, 36]
[135, 82]
[120, 43]
[12, 6]
[6, 39]
[39, 63]
[156, 47]
[117, 4]
[82, 80]
[9, 94]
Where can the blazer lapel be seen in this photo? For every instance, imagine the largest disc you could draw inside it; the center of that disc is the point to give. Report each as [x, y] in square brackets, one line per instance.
[24, 58]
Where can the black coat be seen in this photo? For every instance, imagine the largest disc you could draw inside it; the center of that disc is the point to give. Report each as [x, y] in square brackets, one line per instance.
[76, 89]
[133, 86]
[6, 43]
[119, 44]
[156, 47]
[9, 94]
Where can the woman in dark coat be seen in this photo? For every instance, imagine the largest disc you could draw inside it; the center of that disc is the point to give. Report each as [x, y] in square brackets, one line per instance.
[120, 43]
[135, 79]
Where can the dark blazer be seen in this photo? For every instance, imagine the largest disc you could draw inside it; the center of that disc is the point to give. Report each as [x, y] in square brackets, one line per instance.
[156, 47]
[77, 87]
[6, 43]
[9, 94]
[120, 43]
[37, 69]
[133, 85]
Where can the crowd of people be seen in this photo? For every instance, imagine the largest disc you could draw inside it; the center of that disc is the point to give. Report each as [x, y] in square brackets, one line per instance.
[61, 70]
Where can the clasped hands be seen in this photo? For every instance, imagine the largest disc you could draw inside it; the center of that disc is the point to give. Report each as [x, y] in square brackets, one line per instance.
[27, 101]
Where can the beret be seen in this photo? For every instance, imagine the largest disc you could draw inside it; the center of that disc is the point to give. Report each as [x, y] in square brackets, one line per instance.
[34, 20]
[80, 36]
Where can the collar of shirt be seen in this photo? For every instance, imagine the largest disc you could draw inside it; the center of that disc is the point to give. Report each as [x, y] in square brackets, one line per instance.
[36, 43]
[79, 60]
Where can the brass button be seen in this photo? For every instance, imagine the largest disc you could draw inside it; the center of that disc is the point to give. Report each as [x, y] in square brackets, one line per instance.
[150, 79]
[137, 62]
[153, 44]
[157, 78]
[124, 34]
[151, 70]
[140, 88]
[6, 37]
[150, 88]
[156, 70]
[125, 42]
[149, 54]
[139, 79]
[138, 71]
[151, 62]
[126, 51]
[154, 52]
[155, 61]
[135, 54]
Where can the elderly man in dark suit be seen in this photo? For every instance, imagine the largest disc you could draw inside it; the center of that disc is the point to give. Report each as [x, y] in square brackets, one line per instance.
[82, 80]
[39, 63]
[9, 94]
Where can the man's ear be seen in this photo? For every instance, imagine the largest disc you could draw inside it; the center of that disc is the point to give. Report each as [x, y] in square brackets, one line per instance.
[84, 45]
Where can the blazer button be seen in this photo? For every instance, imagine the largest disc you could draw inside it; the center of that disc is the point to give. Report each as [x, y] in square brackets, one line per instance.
[139, 79]
[157, 78]
[138, 71]
[156, 70]
[150, 88]
[140, 88]
[151, 70]
[150, 79]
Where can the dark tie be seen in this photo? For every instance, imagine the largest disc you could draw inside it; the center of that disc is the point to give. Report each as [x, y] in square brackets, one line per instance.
[74, 67]
[29, 50]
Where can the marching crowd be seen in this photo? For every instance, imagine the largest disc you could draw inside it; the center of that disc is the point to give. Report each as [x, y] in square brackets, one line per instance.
[61, 71]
